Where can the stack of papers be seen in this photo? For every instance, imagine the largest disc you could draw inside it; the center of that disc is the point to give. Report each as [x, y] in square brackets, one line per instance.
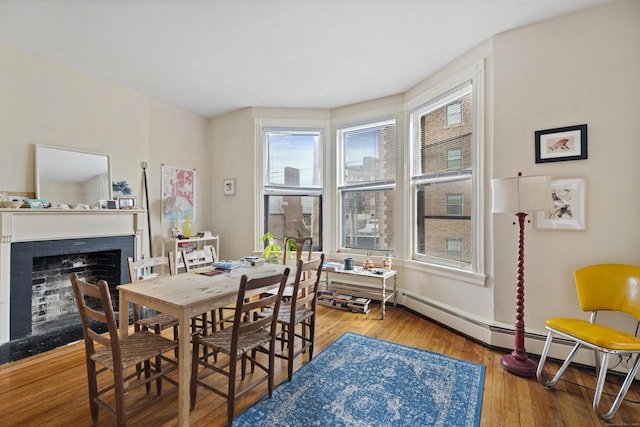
[227, 265]
[254, 260]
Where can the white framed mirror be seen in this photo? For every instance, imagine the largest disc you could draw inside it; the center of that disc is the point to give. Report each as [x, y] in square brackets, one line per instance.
[66, 176]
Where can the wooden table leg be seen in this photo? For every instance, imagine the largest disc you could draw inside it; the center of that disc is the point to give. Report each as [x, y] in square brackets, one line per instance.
[123, 328]
[184, 371]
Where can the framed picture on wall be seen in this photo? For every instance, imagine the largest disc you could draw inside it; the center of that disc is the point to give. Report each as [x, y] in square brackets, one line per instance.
[229, 186]
[178, 193]
[568, 211]
[560, 144]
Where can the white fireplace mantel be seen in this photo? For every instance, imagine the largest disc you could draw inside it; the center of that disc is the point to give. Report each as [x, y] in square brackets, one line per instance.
[28, 225]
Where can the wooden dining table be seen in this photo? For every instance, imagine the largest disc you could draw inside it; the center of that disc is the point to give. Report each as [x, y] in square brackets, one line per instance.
[185, 296]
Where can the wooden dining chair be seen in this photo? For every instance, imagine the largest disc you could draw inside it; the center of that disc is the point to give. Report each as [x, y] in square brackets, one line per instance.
[147, 268]
[241, 342]
[299, 243]
[300, 309]
[214, 319]
[118, 355]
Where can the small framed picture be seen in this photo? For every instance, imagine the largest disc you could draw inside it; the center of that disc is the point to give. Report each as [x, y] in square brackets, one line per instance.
[568, 212]
[560, 144]
[126, 202]
[229, 186]
[175, 233]
[108, 204]
[37, 204]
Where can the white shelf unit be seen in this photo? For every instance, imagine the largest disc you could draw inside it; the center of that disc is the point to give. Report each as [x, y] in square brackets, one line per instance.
[198, 249]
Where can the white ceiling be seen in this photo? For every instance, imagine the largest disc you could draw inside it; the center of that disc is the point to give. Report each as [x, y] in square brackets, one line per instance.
[215, 56]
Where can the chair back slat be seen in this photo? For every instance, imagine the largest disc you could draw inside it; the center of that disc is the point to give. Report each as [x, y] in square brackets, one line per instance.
[610, 287]
[97, 294]
[305, 287]
[138, 268]
[244, 319]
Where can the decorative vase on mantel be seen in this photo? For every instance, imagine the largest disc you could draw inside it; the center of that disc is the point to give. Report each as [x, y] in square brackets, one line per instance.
[187, 227]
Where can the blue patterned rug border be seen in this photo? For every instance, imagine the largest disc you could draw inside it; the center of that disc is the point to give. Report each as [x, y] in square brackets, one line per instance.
[383, 384]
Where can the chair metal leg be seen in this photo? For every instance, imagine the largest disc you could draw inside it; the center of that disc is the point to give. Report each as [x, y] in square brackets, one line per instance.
[543, 357]
[602, 375]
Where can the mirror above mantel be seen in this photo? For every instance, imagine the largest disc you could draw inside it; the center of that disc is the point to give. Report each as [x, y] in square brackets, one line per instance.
[66, 176]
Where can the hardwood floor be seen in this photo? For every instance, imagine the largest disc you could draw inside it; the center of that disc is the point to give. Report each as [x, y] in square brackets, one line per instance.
[51, 388]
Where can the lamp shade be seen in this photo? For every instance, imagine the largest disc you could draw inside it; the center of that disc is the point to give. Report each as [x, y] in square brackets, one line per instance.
[521, 194]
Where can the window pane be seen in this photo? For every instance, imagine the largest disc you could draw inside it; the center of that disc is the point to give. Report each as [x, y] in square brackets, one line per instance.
[293, 159]
[435, 225]
[367, 219]
[369, 154]
[454, 204]
[454, 114]
[294, 216]
[454, 249]
[454, 158]
[434, 142]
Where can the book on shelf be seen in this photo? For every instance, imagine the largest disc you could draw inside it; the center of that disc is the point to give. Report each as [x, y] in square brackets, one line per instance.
[342, 301]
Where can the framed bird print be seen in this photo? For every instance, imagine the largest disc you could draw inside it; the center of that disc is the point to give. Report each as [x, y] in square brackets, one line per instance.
[560, 144]
[568, 212]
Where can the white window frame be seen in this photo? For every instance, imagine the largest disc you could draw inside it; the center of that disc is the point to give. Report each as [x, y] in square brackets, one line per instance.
[260, 128]
[474, 74]
[382, 185]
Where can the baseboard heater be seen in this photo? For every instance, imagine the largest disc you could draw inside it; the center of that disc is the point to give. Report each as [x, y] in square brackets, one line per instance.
[470, 320]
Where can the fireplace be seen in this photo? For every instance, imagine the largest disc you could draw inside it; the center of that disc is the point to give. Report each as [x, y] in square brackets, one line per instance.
[37, 245]
[41, 297]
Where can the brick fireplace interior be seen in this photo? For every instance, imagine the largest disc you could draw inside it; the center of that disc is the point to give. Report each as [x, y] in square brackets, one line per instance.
[41, 297]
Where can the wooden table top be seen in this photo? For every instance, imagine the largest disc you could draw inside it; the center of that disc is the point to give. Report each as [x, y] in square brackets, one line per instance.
[189, 289]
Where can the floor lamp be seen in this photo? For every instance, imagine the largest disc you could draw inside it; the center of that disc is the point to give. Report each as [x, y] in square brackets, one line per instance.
[520, 196]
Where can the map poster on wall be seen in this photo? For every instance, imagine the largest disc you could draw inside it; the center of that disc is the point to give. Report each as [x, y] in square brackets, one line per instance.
[178, 193]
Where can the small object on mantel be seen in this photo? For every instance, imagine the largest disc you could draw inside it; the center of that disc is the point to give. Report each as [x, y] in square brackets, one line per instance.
[11, 204]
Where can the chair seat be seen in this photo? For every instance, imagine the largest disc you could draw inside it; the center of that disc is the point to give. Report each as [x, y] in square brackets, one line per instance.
[302, 313]
[596, 334]
[221, 340]
[135, 349]
[164, 320]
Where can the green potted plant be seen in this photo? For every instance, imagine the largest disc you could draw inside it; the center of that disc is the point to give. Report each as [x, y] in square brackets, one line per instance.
[273, 250]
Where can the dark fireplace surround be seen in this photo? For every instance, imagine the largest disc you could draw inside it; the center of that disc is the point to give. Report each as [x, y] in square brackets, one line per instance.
[23, 278]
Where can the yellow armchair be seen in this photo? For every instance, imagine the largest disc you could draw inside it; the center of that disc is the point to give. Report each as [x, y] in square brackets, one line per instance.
[602, 287]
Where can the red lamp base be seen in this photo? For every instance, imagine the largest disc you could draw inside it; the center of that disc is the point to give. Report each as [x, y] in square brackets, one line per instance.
[523, 367]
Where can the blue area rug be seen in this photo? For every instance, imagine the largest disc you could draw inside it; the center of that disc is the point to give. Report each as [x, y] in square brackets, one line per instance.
[362, 381]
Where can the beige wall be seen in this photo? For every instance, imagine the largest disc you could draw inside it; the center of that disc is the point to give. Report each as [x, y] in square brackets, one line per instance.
[581, 68]
[47, 103]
